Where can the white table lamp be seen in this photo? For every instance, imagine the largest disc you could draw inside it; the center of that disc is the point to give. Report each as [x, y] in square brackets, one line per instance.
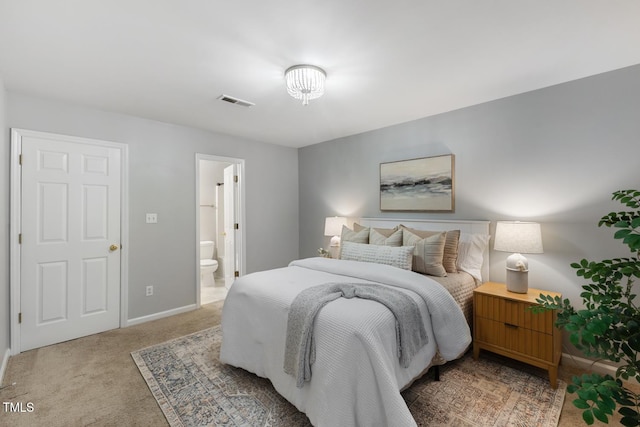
[333, 227]
[518, 237]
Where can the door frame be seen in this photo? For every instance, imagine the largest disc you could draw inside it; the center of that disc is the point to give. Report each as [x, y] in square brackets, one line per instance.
[241, 236]
[16, 226]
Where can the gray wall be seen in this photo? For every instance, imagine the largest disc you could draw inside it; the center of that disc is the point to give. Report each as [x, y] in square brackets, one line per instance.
[553, 155]
[4, 227]
[162, 180]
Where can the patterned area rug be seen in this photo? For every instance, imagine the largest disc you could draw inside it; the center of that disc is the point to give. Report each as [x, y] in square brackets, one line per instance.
[194, 389]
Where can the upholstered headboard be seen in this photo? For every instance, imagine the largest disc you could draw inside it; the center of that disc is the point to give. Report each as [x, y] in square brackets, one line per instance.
[465, 226]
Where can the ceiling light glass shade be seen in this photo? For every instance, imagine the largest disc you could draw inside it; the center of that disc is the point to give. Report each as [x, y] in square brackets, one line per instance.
[305, 82]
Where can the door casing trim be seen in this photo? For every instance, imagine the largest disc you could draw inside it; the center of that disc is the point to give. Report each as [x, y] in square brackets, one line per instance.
[242, 235]
[15, 226]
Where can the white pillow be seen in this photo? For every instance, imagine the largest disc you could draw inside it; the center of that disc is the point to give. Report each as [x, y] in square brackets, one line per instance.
[397, 256]
[471, 253]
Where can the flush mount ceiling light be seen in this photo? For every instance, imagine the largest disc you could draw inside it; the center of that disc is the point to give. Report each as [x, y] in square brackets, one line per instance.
[305, 82]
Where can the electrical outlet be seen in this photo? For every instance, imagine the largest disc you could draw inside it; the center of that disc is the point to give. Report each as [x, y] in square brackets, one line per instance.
[149, 291]
[152, 218]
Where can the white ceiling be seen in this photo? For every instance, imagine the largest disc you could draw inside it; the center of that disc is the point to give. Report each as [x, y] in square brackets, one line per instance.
[386, 62]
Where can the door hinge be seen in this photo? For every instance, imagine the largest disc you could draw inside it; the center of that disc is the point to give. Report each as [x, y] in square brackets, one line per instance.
[235, 178]
[20, 159]
[20, 238]
[236, 274]
[236, 226]
[19, 317]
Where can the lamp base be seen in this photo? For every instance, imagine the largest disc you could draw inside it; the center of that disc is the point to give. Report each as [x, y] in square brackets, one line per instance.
[335, 241]
[517, 281]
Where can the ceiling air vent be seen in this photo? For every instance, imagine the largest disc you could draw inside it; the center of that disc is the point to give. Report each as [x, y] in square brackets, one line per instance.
[237, 101]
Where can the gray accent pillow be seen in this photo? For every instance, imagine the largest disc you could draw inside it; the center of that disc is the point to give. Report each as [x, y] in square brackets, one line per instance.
[400, 256]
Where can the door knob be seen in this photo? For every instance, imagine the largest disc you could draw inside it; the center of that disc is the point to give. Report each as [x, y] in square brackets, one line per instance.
[113, 248]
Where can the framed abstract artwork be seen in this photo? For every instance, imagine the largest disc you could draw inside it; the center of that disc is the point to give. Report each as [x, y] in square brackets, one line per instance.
[425, 184]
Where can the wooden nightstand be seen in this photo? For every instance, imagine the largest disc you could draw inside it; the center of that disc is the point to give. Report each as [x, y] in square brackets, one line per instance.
[503, 324]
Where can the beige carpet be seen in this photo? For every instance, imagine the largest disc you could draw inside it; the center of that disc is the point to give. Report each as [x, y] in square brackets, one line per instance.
[93, 381]
[194, 389]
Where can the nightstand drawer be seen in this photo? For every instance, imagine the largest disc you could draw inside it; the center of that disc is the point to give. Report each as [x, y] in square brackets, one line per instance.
[514, 313]
[515, 338]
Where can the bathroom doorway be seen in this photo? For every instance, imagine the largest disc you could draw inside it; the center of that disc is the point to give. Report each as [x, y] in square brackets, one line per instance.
[220, 225]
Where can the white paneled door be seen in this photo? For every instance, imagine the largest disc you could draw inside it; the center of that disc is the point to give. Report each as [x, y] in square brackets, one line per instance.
[70, 230]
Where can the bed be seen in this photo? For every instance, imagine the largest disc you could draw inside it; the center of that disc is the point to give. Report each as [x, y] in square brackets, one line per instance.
[356, 375]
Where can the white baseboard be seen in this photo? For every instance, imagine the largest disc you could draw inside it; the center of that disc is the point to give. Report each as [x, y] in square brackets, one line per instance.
[5, 361]
[588, 365]
[162, 314]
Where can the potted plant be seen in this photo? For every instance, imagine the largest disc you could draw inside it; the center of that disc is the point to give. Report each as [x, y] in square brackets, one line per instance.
[608, 327]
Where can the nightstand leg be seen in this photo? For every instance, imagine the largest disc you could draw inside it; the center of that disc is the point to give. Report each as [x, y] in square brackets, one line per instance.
[476, 351]
[553, 376]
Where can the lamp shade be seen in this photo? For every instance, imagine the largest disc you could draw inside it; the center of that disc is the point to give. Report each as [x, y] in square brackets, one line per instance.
[518, 237]
[333, 225]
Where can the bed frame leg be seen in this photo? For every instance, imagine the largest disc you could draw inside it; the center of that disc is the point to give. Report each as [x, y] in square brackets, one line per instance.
[436, 372]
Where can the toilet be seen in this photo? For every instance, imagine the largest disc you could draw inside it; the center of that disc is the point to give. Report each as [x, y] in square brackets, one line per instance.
[208, 265]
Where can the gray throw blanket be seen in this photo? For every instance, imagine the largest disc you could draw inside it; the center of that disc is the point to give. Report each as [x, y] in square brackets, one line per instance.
[299, 353]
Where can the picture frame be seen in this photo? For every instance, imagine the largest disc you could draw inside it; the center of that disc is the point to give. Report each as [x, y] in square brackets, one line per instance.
[425, 184]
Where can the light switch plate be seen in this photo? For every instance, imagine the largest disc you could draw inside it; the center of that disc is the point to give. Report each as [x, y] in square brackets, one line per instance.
[152, 218]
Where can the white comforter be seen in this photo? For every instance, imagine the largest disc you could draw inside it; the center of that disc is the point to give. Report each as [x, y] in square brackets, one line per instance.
[356, 378]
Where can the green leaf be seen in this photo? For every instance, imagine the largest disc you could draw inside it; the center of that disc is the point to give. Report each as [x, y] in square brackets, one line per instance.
[603, 391]
[621, 234]
[588, 393]
[600, 415]
[628, 351]
[587, 416]
[571, 327]
[627, 271]
[588, 337]
[627, 412]
[578, 320]
[575, 339]
[625, 401]
[585, 314]
[633, 241]
[607, 403]
[581, 404]
[627, 421]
